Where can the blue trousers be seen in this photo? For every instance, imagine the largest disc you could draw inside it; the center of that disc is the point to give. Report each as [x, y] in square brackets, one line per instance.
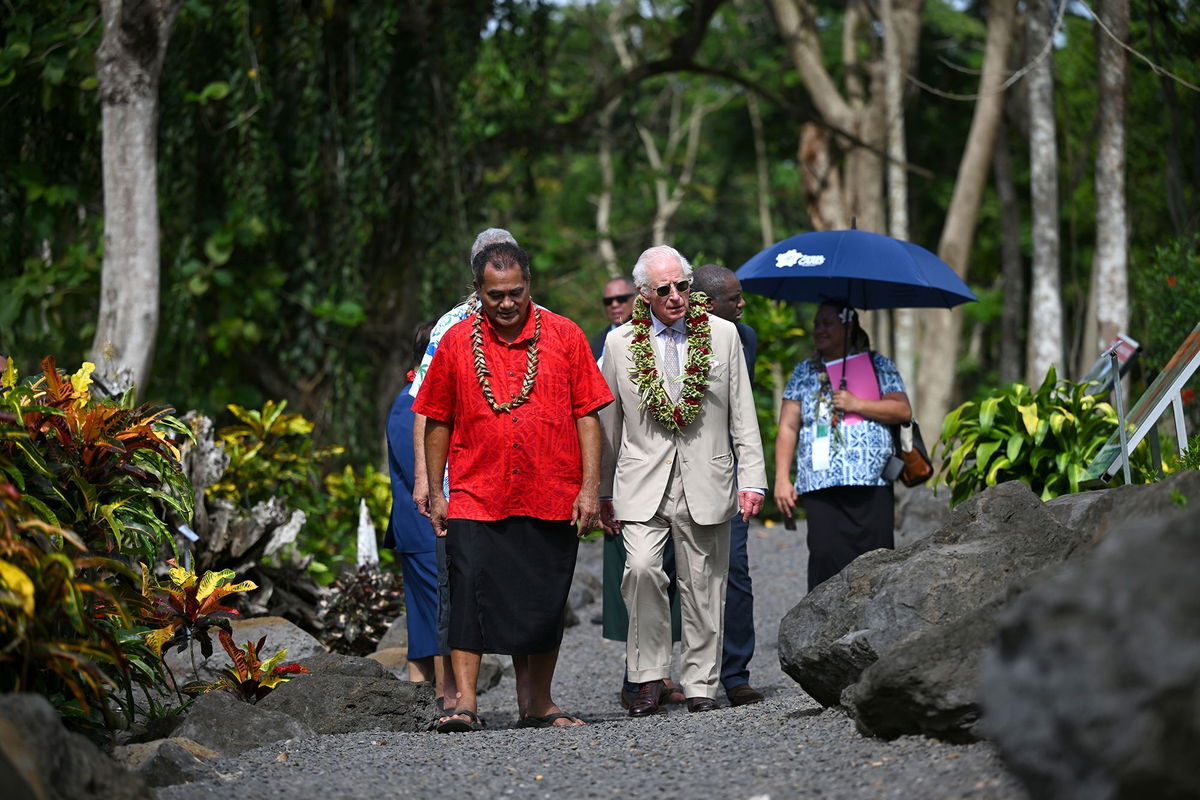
[738, 647]
[421, 602]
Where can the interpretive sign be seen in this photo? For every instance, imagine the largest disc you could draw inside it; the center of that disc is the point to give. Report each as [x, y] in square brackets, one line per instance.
[1127, 350]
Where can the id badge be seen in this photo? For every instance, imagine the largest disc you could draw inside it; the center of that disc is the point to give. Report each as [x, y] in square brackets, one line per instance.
[820, 450]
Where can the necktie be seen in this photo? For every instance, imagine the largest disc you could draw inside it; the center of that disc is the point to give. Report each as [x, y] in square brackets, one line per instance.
[671, 363]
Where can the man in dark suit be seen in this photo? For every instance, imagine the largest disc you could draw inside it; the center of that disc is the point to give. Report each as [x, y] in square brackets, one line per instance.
[618, 305]
[725, 300]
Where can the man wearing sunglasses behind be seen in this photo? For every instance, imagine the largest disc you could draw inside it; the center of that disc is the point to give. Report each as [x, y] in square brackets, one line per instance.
[682, 412]
[618, 307]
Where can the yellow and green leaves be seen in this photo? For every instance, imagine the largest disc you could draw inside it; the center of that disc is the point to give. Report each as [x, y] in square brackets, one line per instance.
[100, 467]
[1045, 438]
[247, 677]
[189, 606]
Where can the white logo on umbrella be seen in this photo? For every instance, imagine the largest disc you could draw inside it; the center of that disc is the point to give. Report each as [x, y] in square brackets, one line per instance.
[794, 258]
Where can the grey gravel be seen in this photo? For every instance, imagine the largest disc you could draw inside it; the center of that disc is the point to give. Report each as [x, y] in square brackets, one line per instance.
[785, 747]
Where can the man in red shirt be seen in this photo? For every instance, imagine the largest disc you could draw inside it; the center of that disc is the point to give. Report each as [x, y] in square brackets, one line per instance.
[511, 399]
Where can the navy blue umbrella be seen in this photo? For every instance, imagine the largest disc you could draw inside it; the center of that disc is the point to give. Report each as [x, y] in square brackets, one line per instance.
[867, 270]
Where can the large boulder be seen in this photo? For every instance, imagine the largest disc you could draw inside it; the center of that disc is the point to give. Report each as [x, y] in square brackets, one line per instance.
[229, 726]
[280, 634]
[919, 512]
[928, 683]
[844, 625]
[345, 694]
[1093, 687]
[41, 759]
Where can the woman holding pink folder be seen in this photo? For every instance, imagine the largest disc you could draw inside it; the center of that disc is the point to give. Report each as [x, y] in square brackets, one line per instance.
[836, 433]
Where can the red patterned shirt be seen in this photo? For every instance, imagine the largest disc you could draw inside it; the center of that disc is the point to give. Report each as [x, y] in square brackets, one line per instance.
[526, 462]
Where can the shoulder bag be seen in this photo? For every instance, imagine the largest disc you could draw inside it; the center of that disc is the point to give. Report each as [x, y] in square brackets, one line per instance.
[910, 460]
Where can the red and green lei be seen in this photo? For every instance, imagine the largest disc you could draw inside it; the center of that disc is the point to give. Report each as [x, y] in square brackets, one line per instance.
[672, 416]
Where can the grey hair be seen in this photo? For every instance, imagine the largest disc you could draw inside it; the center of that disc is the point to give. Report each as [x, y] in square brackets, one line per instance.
[490, 236]
[641, 279]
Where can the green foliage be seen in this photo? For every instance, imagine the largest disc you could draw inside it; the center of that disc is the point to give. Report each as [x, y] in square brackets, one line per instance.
[782, 340]
[50, 218]
[1167, 300]
[248, 678]
[1190, 458]
[101, 467]
[271, 454]
[1046, 438]
[331, 535]
[358, 609]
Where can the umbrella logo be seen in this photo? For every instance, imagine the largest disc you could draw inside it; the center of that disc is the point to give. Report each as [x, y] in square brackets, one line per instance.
[794, 258]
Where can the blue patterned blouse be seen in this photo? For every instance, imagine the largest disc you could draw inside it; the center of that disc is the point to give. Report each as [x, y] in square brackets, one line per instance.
[858, 456]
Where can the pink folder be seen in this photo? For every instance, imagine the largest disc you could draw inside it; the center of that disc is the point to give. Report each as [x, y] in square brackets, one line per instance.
[860, 380]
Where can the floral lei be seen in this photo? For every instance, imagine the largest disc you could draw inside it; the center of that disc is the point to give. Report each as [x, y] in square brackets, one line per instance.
[673, 417]
[482, 371]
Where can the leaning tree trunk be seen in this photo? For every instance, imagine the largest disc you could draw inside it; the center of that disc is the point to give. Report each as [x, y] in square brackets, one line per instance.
[129, 64]
[1110, 283]
[939, 343]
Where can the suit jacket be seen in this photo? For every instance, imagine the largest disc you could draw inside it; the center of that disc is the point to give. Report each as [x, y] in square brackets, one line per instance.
[637, 453]
[598, 341]
[749, 347]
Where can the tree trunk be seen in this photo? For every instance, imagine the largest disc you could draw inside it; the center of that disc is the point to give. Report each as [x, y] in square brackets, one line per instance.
[823, 198]
[129, 64]
[1110, 284]
[858, 109]
[608, 253]
[762, 171]
[904, 320]
[1012, 271]
[939, 343]
[1045, 345]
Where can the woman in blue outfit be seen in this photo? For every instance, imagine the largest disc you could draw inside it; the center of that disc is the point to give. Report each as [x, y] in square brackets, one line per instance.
[840, 443]
[411, 534]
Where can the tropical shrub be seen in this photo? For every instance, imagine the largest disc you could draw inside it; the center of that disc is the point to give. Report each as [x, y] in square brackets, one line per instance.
[248, 678]
[188, 607]
[1045, 437]
[61, 621]
[271, 454]
[101, 467]
[86, 484]
[358, 609]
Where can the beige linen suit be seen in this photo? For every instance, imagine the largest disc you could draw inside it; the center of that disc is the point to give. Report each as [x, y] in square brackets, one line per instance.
[680, 485]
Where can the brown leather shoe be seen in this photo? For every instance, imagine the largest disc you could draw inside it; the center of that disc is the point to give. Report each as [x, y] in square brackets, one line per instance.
[645, 702]
[696, 704]
[744, 695]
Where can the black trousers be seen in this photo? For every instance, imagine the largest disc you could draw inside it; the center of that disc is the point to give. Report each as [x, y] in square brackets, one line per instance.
[843, 523]
[509, 581]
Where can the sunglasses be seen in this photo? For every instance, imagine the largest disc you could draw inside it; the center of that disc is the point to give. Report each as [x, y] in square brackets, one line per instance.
[617, 298]
[680, 286]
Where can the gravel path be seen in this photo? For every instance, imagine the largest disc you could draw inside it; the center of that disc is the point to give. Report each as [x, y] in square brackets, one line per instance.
[785, 747]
